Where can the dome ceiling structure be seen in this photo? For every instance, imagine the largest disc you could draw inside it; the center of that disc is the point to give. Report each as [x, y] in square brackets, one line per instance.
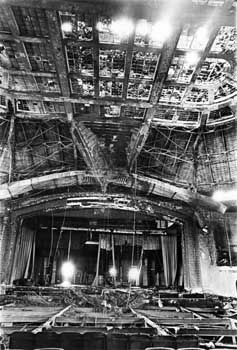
[137, 95]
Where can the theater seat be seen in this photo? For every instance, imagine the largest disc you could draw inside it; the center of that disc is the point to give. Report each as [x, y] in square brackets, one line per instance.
[49, 349]
[159, 348]
[190, 349]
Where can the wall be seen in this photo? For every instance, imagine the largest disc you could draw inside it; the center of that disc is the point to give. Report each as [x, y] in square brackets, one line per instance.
[219, 280]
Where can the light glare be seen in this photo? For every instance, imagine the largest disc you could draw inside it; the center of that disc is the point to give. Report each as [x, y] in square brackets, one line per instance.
[122, 27]
[221, 196]
[201, 34]
[113, 271]
[67, 27]
[99, 26]
[67, 270]
[192, 58]
[133, 273]
[143, 27]
[161, 31]
[66, 284]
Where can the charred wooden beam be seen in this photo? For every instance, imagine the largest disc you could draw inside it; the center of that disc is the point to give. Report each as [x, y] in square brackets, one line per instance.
[88, 145]
[22, 38]
[128, 63]
[15, 36]
[157, 208]
[55, 97]
[136, 144]
[192, 12]
[60, 59]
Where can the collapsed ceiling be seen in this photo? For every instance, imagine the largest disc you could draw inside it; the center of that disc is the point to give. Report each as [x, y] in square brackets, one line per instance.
[131, 111]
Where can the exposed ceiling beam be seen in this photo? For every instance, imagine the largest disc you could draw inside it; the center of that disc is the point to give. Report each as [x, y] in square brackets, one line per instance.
[60, 59]
[55, 97]
[45, 205]
[129, 54]
[15, 34]
[168, 51]
[22, 38]
[190, 11]
[88, 145]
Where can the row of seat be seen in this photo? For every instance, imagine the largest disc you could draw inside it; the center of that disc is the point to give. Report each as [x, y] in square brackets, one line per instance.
[98, 341]
[153, 348]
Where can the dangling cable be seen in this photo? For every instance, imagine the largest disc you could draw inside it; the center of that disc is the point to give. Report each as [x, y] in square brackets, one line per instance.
[69, 244]
[51, 241]
[60, 235]
[134, 229]
[134, 213]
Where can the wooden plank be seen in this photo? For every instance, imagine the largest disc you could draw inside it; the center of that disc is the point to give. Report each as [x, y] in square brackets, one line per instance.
[22, 319]
[213, 332]
[98, 320]
[51, 321]
[148, 321]
[194, 321]
[164, 313]
[27, 315]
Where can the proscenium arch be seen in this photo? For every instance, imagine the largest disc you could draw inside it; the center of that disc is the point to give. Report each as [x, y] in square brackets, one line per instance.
[142, 184]
[22, 208]
[31, 207]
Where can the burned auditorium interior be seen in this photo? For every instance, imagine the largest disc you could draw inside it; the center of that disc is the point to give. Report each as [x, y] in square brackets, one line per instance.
[118, 174]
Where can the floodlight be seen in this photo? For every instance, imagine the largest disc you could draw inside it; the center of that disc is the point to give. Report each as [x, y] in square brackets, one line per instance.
[67, 27]
[133, 273]
[113, 271]
[67, 270]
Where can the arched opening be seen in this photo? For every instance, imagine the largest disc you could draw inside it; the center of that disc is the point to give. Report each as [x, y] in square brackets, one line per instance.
[94, 240]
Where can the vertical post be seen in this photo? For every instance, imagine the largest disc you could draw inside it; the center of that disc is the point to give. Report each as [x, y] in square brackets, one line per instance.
[95, 282]
[113, 258]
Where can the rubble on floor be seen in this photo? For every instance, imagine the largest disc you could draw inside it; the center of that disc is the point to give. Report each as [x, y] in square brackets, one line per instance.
[150, 314]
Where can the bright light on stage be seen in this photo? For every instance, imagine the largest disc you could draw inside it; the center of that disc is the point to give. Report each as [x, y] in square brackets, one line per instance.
[113, 271]
[65, 284]
[66, 27]
[68, 270]
[133, 273]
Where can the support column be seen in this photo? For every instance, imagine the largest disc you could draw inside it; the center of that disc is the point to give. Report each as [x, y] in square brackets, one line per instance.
[191, 257]
[5, 240]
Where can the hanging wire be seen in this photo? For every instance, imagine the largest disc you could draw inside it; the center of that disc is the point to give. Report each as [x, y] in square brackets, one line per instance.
[69, 244]
[228, 241]
[134, 213]
[51, 241]
[60, 234]
[134, 229]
